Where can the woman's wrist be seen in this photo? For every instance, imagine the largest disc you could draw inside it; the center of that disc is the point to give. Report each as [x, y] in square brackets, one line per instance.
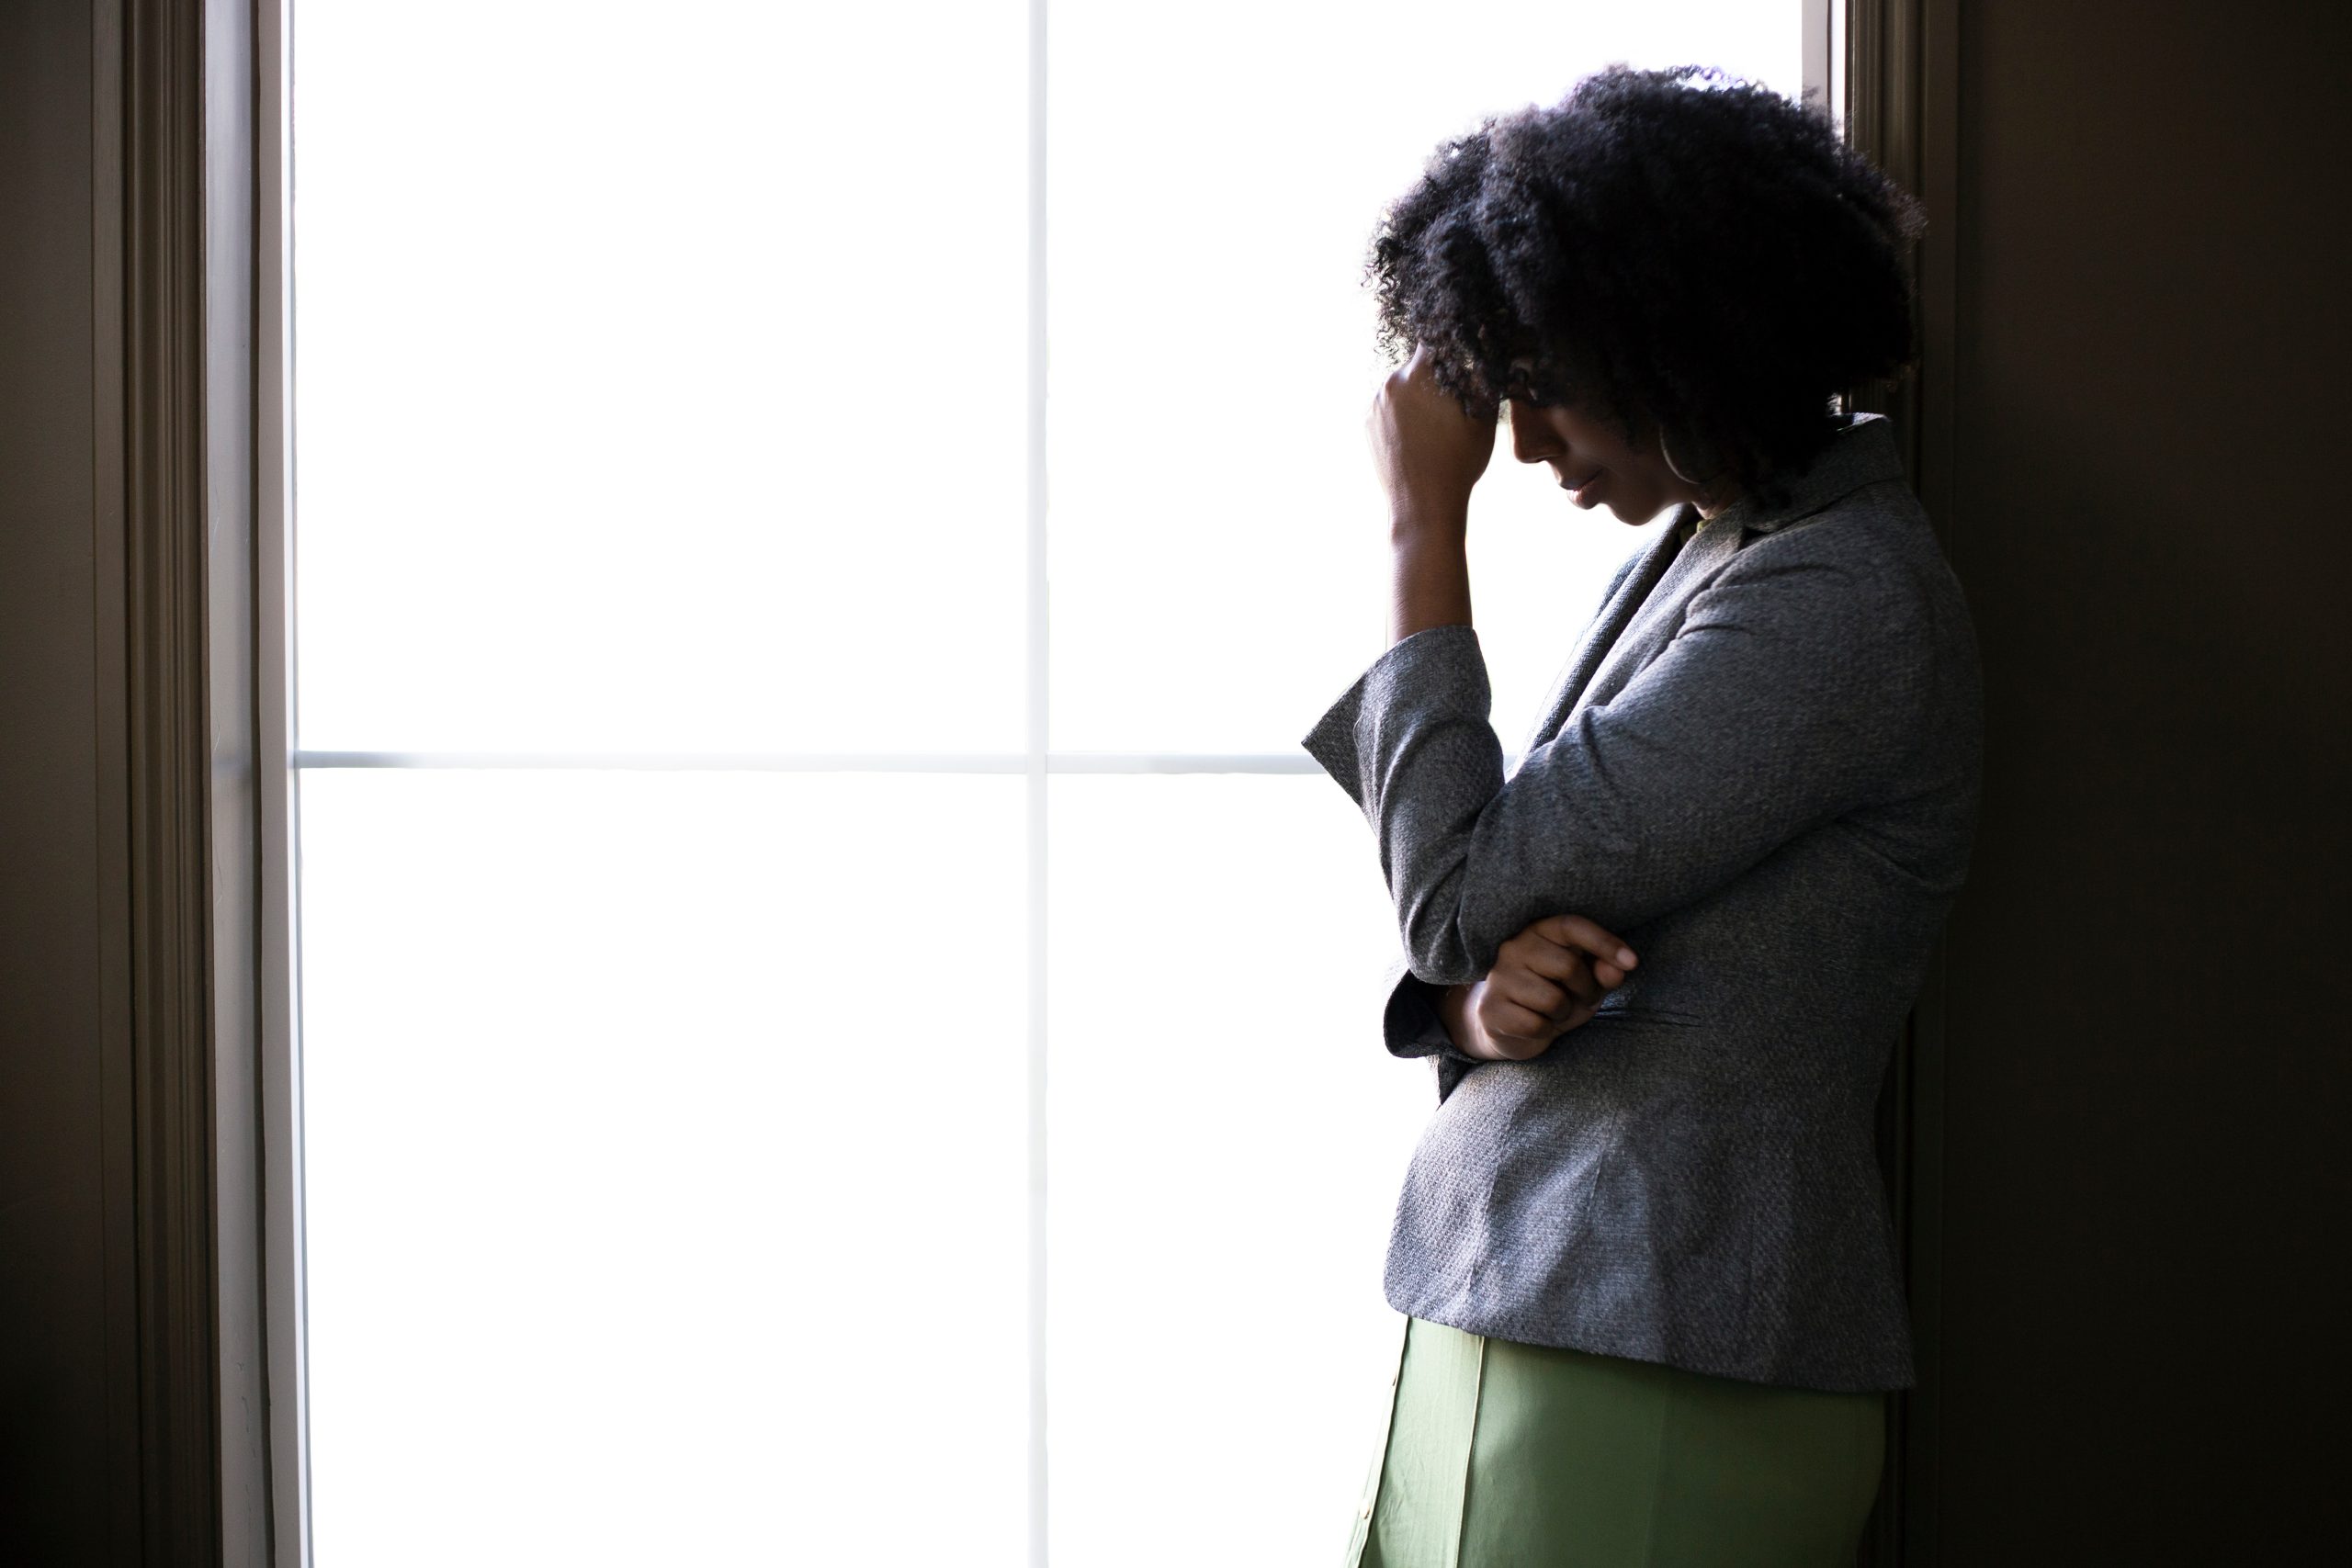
[1421, 520]
[1453, 1011]
[1431, 581]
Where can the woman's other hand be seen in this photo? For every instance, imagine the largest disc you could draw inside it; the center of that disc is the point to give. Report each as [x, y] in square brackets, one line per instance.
[1545, 981]
[1428, 451]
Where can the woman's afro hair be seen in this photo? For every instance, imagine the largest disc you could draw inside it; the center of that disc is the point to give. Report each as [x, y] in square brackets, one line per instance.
[1669, 249]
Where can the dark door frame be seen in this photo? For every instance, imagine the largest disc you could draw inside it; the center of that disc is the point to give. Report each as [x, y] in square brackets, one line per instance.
[1901, 108]
[173, 536]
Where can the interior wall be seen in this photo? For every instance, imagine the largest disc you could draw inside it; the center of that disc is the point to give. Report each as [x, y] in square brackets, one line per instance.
[2146, 1081]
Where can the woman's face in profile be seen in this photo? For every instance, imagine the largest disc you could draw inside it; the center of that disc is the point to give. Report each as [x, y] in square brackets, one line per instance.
[1592, 462]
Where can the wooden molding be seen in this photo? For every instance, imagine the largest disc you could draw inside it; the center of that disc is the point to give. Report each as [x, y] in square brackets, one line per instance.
[167, 793]
[1880, 117]
[1902, 81]
[1881, 123]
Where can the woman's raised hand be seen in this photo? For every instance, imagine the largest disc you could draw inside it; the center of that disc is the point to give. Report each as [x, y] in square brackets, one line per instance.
[1427, 450]
[1545, 981]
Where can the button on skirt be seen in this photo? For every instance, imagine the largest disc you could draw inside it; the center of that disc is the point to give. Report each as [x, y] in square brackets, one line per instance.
[1504, 1455]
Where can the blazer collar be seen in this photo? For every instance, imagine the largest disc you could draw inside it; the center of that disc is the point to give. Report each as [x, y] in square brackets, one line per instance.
[1862, 452]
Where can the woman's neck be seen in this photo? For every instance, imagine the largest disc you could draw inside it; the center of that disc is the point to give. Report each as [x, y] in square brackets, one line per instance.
[1714, 500]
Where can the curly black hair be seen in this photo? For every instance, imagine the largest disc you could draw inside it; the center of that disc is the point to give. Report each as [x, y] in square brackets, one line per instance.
[1669, 249]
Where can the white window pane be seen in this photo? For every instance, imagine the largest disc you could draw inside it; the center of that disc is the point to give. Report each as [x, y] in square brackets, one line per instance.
[660, 374]
[1227, 1136]
[1219, 544]
[666, 1167]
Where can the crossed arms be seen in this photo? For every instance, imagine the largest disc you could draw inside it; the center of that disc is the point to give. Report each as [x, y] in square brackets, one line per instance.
[1773, 708]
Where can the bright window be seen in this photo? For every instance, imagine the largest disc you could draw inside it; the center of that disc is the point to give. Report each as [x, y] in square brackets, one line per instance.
[784, 1001]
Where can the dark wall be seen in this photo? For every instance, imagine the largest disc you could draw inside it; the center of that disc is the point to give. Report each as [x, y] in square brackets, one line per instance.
[65, 1356]
[2147, 1090]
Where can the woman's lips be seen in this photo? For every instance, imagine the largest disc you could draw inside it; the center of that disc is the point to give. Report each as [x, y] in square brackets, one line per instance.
[1581, 491]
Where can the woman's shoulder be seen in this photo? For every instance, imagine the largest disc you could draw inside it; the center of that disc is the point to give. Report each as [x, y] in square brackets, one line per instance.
[1877, 534]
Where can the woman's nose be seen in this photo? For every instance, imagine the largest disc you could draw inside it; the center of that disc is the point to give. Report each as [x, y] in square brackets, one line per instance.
[1532, 438]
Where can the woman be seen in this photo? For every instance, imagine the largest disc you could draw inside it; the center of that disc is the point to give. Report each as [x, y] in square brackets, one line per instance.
[1642, 1249]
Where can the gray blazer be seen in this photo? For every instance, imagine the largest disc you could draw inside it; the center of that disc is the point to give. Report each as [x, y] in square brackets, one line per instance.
[1761, 769]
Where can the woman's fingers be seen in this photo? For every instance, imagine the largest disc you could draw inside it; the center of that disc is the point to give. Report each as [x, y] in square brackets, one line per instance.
[1548, 979]
[1519, 1033]
[1565, 944]
[1580, 1014]
[1538, 995]
[1507, 1050]
[1585, 936]
[1537, 969]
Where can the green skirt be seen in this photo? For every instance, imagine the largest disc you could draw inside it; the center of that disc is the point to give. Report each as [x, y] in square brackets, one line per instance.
[1500, 1453]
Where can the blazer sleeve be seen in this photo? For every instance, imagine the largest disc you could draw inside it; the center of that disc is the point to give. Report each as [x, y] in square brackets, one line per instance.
[1780, 703]
[1410, 1024]
[1409, 1020]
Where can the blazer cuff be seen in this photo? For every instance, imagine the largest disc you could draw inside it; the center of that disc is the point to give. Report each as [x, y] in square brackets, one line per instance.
[1436, 669]
[1410, 1023]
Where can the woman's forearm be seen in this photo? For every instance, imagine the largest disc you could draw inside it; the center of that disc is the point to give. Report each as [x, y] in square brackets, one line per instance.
[1431, 564]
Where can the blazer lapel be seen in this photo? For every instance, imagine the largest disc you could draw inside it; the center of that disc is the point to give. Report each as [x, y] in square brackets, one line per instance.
[1659, 617]
[1643, 614]
[1615, 618]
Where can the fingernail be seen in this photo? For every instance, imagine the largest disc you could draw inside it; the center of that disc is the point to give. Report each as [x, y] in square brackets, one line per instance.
[1625, 957]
